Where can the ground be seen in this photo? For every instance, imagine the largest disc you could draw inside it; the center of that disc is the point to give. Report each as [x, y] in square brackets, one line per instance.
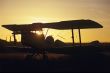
[80, 61]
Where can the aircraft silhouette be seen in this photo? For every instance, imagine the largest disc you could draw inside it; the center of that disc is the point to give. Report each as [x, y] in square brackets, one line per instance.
[40, 44]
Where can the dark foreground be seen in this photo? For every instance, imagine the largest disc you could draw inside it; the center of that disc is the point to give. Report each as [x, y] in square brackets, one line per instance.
[80, 61]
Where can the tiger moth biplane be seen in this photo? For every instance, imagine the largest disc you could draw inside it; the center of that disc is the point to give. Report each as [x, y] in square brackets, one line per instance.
[39, 43]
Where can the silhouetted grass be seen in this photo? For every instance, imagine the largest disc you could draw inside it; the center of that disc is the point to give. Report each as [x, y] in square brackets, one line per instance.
[79, 59]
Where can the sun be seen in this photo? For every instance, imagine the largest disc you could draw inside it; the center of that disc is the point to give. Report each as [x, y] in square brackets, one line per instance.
[39, 32]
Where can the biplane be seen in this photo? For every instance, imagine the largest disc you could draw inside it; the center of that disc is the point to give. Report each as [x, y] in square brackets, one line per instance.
[41, 43]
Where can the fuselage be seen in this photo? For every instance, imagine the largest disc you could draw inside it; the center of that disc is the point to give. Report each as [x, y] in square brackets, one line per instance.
[32, 39]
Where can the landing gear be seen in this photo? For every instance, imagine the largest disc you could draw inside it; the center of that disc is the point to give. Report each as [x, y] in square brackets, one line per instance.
[42, 54]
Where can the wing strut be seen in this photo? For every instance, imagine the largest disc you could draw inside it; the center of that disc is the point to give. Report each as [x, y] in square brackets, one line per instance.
[14, 35]
[73, 36]
[46, 32]
[79, 36]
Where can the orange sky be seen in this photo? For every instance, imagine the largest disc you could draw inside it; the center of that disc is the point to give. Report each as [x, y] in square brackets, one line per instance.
[29, 11]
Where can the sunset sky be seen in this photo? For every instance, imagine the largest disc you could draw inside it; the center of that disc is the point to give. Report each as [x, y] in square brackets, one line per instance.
[31, 11]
